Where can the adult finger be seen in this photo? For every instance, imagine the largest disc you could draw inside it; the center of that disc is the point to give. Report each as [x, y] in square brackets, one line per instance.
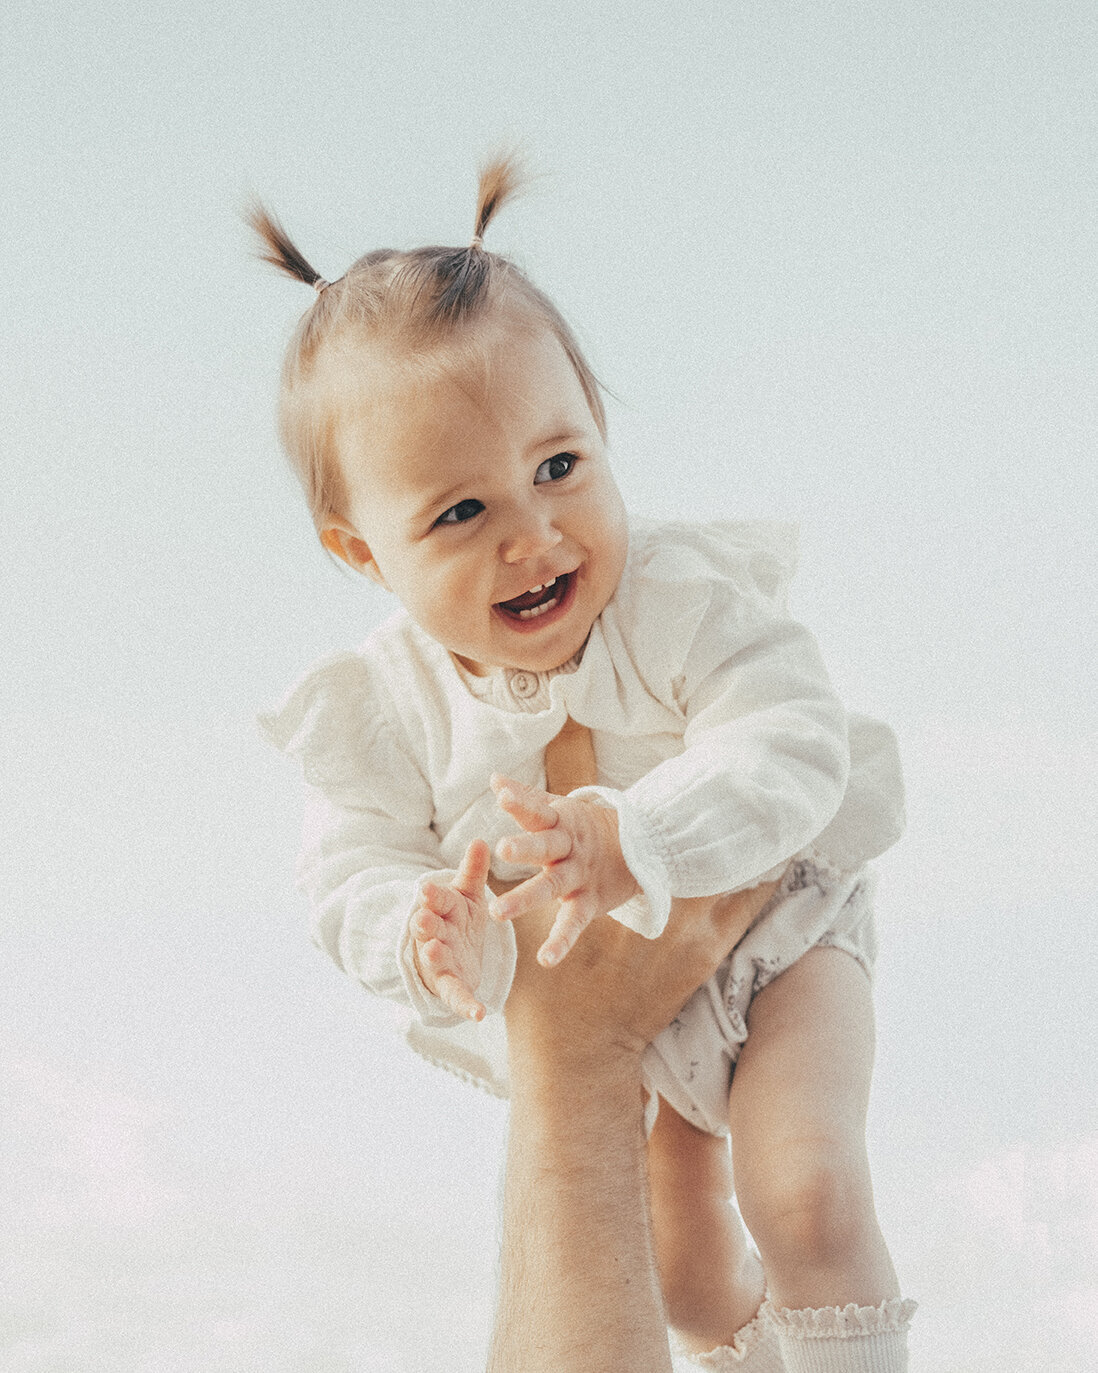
[732, 915]
[702, 931]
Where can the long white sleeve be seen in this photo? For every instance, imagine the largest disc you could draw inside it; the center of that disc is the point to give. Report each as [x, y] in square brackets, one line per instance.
[360, 870]
[368, 838]
[763, 758]
[763, 770]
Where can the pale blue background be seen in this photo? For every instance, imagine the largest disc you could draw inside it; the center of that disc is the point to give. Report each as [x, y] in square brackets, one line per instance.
[836, 262]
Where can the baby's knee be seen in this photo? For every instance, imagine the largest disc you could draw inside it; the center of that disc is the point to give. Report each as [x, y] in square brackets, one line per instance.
[814, 1209]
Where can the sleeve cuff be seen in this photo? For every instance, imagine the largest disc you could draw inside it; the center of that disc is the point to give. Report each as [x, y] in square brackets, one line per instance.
[497, 973]
[647, 912]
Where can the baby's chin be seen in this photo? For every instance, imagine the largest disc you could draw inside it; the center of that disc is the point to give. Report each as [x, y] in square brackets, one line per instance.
[532, 660]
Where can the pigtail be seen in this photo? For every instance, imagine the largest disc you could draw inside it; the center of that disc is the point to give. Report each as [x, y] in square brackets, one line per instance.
[279, 249]
[501, 179]
[464, 273]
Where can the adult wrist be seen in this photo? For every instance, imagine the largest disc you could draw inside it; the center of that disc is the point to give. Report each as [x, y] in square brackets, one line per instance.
[573, 1068]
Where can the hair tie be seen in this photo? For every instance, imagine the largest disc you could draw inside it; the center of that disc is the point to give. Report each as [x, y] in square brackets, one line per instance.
[320, 285]
[477, 242]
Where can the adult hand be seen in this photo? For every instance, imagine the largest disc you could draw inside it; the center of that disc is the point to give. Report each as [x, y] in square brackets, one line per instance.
[617, 990]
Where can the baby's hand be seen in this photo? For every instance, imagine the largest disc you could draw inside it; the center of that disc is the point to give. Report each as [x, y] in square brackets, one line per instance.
[448, 934]
[575, 843]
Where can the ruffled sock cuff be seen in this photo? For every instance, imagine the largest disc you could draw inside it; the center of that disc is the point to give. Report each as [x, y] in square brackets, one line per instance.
[754, 1349]
[847, 1339]
[845, 1322]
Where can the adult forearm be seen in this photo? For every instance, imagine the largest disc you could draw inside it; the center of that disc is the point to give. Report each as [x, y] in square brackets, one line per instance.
[579, 1291]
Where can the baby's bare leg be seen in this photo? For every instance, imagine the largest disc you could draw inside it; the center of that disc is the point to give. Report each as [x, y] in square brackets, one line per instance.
[797, 1113]
[712, 1284]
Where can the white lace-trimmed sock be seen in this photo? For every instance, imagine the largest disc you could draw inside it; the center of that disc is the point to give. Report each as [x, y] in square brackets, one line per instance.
[849, 1339]
[754, 1349]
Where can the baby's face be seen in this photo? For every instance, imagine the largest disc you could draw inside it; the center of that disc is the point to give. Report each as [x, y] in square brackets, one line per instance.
[481, 495]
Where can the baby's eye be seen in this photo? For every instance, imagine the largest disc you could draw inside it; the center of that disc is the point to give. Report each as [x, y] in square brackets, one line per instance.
[458, 514]
[552, 469]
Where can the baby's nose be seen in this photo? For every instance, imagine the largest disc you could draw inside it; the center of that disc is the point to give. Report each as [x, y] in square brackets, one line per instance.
[529, 539]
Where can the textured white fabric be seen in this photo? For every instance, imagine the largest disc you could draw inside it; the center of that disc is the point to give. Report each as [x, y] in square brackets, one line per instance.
[717, 737]
[754, 1349]
[849, 1339]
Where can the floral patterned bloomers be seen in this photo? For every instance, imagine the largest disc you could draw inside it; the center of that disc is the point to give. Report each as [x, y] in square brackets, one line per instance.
[691, 1063]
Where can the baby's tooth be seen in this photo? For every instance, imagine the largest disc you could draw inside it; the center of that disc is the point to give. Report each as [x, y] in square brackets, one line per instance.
[536, 610]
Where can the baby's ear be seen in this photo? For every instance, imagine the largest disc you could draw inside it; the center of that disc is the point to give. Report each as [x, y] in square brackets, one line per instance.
[342, 540]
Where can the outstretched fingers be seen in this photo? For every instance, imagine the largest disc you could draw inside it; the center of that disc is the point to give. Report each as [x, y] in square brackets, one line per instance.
[448, 929]
[549, 842]
[473, 870]
[572, 919]
[461, 897]
[536, 850]
[527, 896]
[530, 806]
[544, 844]
[450, 986]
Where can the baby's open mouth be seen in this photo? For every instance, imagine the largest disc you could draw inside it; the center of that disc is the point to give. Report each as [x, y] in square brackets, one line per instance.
[539, 600]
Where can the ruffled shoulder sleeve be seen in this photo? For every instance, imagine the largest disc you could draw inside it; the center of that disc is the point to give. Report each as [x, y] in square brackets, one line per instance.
[334, 722]
[679, 575]
[754, 558]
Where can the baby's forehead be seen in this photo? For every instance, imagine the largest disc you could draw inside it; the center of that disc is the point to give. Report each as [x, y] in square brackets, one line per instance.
[508, 364]
[415, 420]
[464, 353]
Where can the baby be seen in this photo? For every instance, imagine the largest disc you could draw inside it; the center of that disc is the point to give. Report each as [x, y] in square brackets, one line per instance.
[451, 441]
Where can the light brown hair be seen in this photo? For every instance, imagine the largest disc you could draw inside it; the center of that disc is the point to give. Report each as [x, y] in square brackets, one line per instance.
[412, 301]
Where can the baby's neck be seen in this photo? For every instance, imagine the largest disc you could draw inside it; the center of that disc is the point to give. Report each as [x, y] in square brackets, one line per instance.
[474, 669]
[483, 670]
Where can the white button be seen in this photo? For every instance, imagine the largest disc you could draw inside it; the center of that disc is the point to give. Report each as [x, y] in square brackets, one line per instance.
[524, 685]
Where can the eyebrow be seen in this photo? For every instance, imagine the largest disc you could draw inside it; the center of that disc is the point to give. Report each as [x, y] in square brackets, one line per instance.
[437, 504]
[562, 437]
